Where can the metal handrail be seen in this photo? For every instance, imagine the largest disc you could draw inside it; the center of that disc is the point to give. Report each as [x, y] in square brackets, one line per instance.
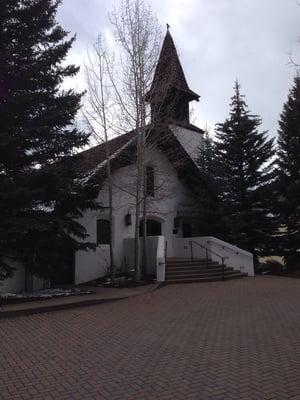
[206, 251]
[223, 247]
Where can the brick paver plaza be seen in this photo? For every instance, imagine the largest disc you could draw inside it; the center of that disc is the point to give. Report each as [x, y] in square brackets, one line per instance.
[225, 340]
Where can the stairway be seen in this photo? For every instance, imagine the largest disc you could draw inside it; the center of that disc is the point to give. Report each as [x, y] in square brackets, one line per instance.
[180, 270]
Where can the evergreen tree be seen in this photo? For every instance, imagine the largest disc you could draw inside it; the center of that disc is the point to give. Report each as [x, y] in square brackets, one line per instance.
[212, 219]
[40, 195]
[206, 158]
[289, 175]
[245, 170]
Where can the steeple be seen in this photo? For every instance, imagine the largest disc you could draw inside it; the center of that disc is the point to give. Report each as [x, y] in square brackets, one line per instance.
[170, 94]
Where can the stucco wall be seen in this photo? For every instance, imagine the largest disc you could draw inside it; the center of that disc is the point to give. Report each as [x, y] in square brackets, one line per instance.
[151, 250]
[236, 258]
[171, 195]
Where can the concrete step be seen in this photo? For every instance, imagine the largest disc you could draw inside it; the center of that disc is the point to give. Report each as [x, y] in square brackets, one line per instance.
[201, 274]
[189, 262]
[197, 271]
[185, 267]
[185, 270]
[180, 260]
[217, 278]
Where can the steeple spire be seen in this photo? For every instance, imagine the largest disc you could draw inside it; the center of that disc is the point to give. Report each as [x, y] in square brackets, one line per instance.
[170, 94]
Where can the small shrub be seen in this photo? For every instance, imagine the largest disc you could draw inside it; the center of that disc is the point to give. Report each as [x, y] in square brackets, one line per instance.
[275, 266]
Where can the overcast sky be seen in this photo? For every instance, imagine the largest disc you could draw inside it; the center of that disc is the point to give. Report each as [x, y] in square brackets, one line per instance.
[217, 41]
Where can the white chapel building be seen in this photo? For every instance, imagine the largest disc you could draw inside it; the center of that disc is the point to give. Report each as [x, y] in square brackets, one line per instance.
[173, 148]
[174, 251]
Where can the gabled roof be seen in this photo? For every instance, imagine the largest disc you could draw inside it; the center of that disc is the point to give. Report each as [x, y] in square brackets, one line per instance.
[122, 149]
[87, 160]
[169, 73]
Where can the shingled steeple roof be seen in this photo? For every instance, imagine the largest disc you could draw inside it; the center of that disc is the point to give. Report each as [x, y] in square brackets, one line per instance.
[169, 73]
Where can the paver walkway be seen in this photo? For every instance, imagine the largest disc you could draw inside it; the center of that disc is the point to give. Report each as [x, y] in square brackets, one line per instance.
[224, 340]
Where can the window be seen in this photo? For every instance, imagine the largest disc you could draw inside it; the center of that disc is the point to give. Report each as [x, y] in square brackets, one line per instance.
[103, 231]
[150, 181]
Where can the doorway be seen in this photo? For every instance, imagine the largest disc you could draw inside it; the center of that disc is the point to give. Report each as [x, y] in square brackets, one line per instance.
[153, 228]
[186, 230]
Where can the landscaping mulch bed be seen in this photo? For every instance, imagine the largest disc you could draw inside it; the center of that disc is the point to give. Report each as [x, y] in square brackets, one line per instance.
[45, 294]
[288, 274]
[122, 281]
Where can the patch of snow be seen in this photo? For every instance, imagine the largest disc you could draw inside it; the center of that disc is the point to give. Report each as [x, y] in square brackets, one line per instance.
[190, 140]
[45, 294]
[103, 163]
[50, 207]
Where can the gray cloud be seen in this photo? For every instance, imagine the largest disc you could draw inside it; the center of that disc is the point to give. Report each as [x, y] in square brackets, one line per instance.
[218, 41]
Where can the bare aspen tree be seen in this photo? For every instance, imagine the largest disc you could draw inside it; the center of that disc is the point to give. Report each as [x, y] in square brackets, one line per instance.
[136, 31]
[118, 88]
[98, 115]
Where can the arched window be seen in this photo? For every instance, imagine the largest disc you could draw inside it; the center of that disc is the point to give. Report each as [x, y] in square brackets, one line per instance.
[153, 228]
[150, 181]
[103, 231]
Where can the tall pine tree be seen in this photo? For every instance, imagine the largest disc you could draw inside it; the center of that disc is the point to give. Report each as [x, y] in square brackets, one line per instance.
[40, 195]
[244, 159]
[289, 176]
[212, 218]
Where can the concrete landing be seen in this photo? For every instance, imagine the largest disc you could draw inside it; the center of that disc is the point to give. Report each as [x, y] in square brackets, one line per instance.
[101, 295]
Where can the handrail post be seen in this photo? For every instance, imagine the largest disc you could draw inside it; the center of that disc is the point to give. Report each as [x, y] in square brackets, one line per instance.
[192, 255]
[207, 259]
[223, 272]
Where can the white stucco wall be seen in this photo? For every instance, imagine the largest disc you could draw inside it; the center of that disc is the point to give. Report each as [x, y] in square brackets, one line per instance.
[171, 195]
[156, 261]
[153, 250]
[236, 258]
